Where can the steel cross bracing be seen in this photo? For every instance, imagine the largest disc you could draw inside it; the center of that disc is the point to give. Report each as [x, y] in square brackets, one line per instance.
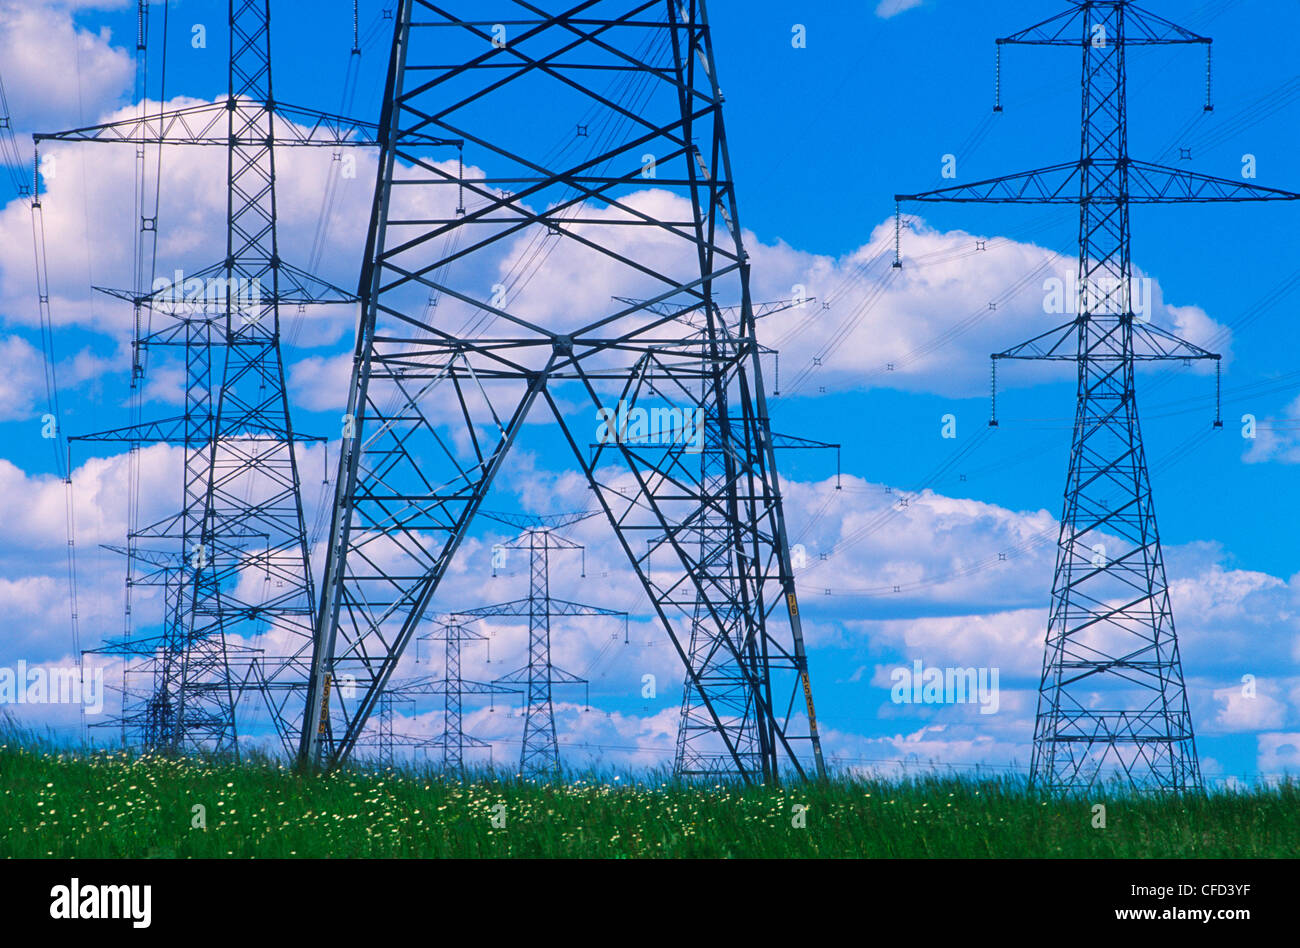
[722, 664]
[438, 403]
[234, 561]
[1112, 701]
[723, 660]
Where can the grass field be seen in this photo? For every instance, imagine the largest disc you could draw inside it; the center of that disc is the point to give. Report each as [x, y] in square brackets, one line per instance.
[63, 805]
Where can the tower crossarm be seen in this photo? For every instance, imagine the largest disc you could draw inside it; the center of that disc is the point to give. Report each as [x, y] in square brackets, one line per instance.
[1156, 184]
[178, 430]
[562, 607]
[1142, 28]
[693, 316]
[518, 607]
[440, 686]
[1060, 184]
[162, 559]
[207, 124]
[294, 287]
[524, 676]
[182, 431]
[540, 521]
[554, 607]
[1150, 343]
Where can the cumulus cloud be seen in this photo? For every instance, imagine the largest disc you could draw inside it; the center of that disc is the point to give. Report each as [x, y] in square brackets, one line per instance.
[1279, 754]
[1009, 641]
[1273, 439]
[22, 384]
[56, 73]
[1242, 711]
[930, 326]
[932, 748]
[927, 327]
[889, 8]
[1227, 616]
[90, 229]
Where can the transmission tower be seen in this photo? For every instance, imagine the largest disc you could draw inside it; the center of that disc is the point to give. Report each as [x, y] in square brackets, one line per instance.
[1112, 702]
[722, 661]
[700, 752]
[540, 753]
[454, 740]
[631, 93]
[242, 513]
[386, 739]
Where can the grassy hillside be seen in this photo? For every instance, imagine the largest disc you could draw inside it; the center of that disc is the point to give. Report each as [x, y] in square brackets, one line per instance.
[116, 806]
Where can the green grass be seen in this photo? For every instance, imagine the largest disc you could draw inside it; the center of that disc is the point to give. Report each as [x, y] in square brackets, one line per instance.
[64, 805]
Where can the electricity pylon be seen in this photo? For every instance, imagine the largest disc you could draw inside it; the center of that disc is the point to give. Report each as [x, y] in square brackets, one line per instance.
[641, 162]
[453, 687]
[234, 560]
[1112, 702]
[453, 740]
[722, 661]
[539, 756]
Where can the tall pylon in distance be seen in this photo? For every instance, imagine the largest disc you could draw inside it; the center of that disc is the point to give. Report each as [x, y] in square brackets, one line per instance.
[453, 686]
[1112, 701]
[539, 756]
[234, 560]
[621, 186]
[720, 660]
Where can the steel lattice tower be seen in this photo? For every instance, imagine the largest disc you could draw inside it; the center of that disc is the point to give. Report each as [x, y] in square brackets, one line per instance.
[632, 87]
[453, 740]
[722, 660]
[242, 509]
[1112, 702]
[539, 756]
[453, 687]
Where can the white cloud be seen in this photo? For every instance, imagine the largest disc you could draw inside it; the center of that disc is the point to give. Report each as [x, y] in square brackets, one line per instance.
[1009, 641]
[1279, 754]
[90, 227]
[924, 328]
[1275, 439]
[933, 748]
[22, 383]
[928, 327]
[1231, 621]
[888, 8]
[57, 74]
[1242, 712]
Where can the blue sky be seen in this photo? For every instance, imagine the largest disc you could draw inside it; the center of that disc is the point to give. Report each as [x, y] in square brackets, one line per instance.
[821, 138]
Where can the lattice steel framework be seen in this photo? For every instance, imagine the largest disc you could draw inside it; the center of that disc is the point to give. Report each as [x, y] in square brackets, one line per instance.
[234, 560]
[453, 686]
[539, 756]
[648, 210]
[1112, 701]
[718, 653]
